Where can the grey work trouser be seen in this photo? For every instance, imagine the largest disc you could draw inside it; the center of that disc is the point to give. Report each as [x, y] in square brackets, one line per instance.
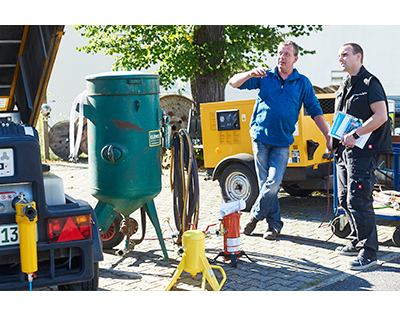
[355, 180]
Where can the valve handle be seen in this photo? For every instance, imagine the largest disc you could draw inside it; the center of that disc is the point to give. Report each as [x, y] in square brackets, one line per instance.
[113, 153]
[110, 153]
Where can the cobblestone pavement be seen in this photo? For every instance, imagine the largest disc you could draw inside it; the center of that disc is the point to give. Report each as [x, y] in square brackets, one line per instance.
[303, 257]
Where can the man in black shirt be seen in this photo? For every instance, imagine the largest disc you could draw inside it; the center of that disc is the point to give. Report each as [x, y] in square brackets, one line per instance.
[361, 95]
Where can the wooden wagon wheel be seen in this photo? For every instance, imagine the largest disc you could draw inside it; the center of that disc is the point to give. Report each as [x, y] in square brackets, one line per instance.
[59, 139]
[177, 107]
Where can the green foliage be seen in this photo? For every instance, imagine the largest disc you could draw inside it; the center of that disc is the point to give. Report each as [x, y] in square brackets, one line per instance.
[177, 53]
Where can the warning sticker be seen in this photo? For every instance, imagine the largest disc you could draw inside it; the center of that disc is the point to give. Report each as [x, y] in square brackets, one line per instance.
[7, 196]
[154, 138]
[295, 156]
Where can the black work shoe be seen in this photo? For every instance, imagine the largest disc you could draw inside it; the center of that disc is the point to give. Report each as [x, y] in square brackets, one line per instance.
[271, 233]
[362, 264]
[250, 225]
[347, 250]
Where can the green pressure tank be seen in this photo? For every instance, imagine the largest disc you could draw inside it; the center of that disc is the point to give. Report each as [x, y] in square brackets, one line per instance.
[124, 143]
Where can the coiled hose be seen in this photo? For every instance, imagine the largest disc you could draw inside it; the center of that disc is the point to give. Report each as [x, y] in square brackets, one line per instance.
[185, 189]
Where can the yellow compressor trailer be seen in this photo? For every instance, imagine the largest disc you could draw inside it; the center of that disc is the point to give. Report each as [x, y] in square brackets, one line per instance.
[229, 158]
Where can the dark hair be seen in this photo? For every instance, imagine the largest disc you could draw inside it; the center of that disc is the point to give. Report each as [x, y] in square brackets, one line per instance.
[356, 49]
[295, 46]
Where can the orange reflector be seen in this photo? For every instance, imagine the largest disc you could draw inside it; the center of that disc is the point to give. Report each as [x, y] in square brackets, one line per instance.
[69, 228]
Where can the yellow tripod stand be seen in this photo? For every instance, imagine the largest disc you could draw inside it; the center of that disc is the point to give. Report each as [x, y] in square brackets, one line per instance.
[195, 261]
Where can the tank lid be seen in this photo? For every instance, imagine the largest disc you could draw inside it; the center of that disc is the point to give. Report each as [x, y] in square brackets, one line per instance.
[121, 74]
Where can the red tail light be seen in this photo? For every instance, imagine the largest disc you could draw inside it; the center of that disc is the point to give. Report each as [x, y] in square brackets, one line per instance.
[69, 228]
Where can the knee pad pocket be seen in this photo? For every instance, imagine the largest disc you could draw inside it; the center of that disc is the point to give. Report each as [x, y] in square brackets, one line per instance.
[360, 188]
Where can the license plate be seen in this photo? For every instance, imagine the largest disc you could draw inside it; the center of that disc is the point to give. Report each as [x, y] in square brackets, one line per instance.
[9, 235]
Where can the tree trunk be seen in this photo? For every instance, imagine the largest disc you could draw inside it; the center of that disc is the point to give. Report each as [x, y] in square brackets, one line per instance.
[207, 87]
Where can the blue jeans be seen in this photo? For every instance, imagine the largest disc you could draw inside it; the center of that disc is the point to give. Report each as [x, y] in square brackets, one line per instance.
[270, 162]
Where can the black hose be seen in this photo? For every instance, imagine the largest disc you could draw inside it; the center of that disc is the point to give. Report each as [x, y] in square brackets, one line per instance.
[184, 185]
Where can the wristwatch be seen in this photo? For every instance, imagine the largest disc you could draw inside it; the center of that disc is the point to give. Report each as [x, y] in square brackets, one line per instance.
[355, 135]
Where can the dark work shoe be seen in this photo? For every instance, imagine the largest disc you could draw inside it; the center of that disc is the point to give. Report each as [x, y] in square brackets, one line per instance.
[347, 250]
[250, 225]
[271, 233]
[362, 264]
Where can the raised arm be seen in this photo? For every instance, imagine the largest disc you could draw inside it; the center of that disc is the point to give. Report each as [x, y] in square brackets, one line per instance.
[240, 78]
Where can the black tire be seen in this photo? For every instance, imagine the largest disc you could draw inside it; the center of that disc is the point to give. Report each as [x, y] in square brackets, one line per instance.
[237, 182]
[396, 236]
[338, 229]
[294, 190]
[113, 237]
[91, 285]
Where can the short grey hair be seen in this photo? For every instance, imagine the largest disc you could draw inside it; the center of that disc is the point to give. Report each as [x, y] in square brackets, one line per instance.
[288, 43]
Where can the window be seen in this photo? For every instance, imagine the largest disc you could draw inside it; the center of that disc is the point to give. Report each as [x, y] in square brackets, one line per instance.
[337, 76]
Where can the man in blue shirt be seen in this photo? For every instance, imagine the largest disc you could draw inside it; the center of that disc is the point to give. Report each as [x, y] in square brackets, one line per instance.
[282, 92]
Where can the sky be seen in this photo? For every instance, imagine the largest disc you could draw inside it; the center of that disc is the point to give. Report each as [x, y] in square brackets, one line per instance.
[71, 66]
